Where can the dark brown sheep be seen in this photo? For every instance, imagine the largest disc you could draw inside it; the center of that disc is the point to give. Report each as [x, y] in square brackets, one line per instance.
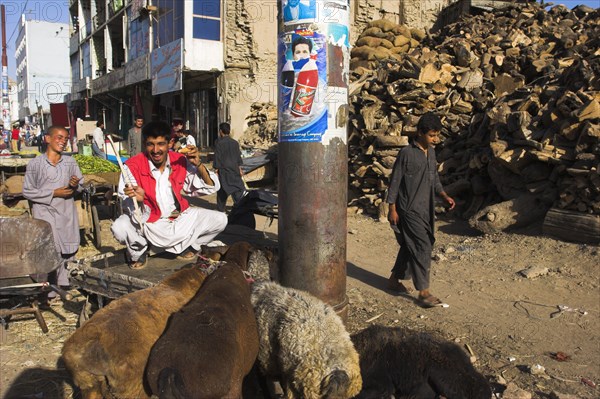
[108, 354]
[212, 342]
[402, 364]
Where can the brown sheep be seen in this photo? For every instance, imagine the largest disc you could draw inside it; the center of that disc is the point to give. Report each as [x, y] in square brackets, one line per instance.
[402, 364]
[304, 344]
[212, 342]
[108, 354]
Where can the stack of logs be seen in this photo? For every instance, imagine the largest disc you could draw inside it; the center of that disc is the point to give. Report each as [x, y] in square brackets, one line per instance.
[262, 126]
[384, 39]
[518, 91]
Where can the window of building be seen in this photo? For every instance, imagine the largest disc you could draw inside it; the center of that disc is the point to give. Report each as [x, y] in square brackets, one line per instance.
[138, 36]
[86, 60]
[170, 22]
[75, 68]
[207, 19]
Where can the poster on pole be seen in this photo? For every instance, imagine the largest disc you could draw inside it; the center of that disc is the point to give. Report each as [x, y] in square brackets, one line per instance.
[313, 59]
[303, 66]
[5, 100]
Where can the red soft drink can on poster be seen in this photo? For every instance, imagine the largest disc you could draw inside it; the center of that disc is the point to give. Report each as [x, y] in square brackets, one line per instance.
[305, 89]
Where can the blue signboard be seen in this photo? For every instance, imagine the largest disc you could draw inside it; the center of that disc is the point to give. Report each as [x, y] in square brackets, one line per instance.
[166, 64]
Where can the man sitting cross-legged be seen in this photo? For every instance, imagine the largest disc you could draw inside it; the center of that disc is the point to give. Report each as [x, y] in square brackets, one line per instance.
[165, 219]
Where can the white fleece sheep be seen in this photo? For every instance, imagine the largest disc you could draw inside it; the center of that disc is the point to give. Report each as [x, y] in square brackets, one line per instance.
[304, 344]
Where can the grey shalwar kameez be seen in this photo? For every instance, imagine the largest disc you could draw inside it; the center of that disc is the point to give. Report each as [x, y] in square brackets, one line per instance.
[413, 187]
[134, 140]
[41, 179]
[228, 160]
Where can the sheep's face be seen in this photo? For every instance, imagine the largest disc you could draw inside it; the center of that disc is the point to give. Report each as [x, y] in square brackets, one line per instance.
[340, 385]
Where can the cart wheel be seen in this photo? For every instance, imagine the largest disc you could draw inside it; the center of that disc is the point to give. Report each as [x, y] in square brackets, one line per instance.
[117, 207]
[96, 227]
[86, 312]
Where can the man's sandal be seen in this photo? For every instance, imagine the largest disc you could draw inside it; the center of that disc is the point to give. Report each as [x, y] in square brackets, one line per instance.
[430, 301]
[188, 255]
[398, 287]
[140, 263]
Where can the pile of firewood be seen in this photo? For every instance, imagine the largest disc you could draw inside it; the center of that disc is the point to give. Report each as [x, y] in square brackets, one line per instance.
[383, 39]
[518, 91]
[262, 126]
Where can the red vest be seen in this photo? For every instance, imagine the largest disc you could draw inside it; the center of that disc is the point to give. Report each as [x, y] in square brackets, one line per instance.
[140, 169]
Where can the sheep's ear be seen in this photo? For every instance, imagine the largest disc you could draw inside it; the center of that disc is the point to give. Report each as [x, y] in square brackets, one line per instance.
[335, 385]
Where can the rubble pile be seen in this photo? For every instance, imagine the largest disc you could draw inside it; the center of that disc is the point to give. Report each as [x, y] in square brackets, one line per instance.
[518, 90]
[262, 127]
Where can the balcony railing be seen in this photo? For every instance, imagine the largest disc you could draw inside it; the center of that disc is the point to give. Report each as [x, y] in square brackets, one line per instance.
[88, 28]
[74, 43]
[99, 19]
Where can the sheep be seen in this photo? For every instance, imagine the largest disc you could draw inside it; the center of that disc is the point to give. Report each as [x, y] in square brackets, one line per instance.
[304, 344]
[262, 263]
[212, 342]
[398, 363]
[107, 355]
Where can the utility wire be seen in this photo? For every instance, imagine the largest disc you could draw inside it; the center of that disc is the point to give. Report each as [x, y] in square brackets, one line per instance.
[17, 24]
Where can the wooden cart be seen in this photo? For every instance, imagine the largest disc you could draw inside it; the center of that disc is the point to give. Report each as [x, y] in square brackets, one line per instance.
[108, 275]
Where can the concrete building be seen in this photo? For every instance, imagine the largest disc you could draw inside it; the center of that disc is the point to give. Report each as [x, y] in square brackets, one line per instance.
[13, 100]
[204, 60]
[42, 66]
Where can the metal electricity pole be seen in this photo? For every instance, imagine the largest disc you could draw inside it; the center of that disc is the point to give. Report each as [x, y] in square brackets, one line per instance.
[5, 100]
[313, 60]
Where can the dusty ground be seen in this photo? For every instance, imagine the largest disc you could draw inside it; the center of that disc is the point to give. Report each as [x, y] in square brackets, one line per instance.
[508, 321]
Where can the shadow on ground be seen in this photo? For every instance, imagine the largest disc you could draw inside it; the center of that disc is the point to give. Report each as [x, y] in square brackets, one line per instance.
[42, 383]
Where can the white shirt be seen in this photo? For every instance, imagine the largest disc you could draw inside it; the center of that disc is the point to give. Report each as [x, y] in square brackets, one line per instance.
[98, 136]
[164, 193]
[189, 140]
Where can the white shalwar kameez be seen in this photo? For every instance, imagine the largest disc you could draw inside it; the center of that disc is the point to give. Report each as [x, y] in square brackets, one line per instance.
[193, 227]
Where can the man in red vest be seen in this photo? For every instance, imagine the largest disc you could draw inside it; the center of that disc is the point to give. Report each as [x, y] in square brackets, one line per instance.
[155, 179]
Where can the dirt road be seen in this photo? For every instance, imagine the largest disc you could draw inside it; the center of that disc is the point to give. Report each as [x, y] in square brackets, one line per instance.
[510, 322]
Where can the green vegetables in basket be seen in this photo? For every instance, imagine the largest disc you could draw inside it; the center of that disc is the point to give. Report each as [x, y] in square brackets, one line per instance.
[89, 164]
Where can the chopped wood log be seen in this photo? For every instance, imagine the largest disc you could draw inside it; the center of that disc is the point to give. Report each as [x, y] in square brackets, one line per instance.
[470, 80]
[591, 110]
[387, 152]
[381, 170]
[391, 141]
[457, 187]
[572, 226]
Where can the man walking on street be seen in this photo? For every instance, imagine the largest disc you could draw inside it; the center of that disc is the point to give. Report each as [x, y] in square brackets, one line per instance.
[228, 165]
[413, 186]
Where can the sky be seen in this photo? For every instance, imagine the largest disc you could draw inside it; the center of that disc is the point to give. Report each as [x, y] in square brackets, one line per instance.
[58, 11]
